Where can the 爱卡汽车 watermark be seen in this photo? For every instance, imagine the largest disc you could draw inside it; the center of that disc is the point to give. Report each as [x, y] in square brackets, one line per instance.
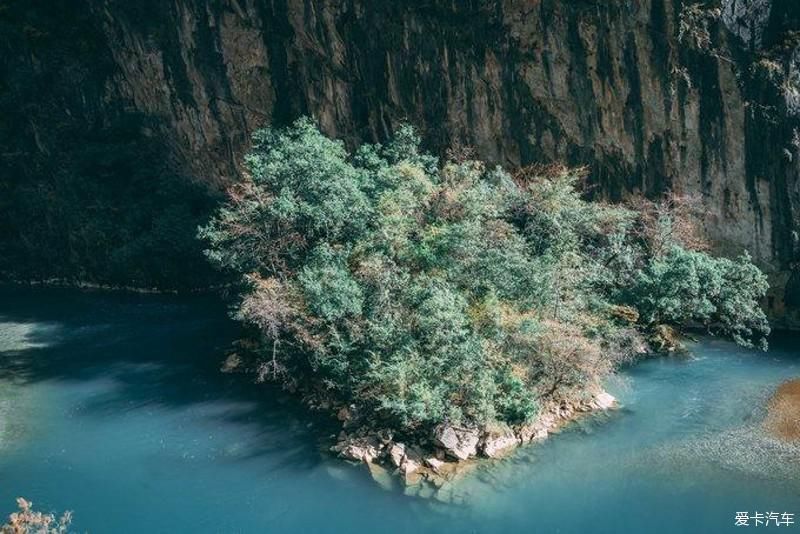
[764, 519]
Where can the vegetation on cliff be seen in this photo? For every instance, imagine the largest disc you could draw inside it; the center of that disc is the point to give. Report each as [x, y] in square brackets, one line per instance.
[424, 292]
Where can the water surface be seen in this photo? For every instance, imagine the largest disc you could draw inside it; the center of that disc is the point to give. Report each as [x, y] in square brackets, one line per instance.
[113, 406]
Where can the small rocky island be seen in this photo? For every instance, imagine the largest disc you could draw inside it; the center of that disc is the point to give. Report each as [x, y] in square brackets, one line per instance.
[446, 310]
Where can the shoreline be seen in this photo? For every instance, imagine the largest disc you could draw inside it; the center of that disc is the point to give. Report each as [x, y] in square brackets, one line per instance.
[427, 466]
[64, 283]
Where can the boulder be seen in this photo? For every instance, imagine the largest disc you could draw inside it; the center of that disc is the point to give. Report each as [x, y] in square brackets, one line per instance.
[397, 452]
[359, 449]
[232, 363]
[408, 460]
[411, 461]
[625, 313]
[410, 467]
[604, 401]
[498, 440]
[566, 411]
[383, 477]
[539, 429]
[665, 339]
[461, 443]
[434, 463]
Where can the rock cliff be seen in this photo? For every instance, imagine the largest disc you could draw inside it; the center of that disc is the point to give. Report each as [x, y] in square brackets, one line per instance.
[652, 95]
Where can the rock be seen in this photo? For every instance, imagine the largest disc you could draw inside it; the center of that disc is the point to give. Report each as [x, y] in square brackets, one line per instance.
[604, 401]
[434, 463]
[231, 363]
[412, 490]
[498, 440]
[539, 429]
[397, 452]
[411, 462]
[359, 449]
[412, 478]
[426, 491]
[382, 476]
[532, 432]
[386, 436]
[460, 443]
[410, 467]
[407, 459]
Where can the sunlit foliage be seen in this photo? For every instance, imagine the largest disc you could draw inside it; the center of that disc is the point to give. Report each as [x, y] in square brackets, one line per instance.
[423, 291]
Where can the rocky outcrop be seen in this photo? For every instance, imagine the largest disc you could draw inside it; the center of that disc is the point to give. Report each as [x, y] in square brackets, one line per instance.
[453, 449]
[652, 95]
[460, 443]
[365, 449]
[603, 401]
[498, 440]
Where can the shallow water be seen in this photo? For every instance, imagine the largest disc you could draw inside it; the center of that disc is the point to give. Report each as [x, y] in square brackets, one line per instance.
[112, 406]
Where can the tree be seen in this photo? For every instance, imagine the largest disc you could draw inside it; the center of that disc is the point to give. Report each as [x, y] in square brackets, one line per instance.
[686, 287]
[422, 292]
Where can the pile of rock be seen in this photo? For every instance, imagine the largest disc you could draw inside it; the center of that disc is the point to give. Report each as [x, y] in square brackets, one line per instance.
[451, 447]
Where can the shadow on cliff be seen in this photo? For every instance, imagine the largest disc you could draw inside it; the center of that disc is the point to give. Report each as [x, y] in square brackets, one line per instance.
[160, 352]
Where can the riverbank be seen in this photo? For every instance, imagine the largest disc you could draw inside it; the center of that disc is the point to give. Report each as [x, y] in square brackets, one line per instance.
[432, 459]
[64, 283]
[451, 451]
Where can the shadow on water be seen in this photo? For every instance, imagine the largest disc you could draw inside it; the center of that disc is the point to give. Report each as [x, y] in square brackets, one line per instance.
[160, 352]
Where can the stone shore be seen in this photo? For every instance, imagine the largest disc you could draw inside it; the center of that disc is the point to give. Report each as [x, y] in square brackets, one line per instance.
[453, 450]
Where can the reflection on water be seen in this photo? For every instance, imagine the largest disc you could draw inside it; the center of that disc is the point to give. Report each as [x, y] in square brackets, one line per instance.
[113, 406]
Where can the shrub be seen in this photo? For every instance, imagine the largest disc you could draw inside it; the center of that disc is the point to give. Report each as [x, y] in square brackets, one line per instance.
[27, 521]
[691, 287]
[423, 292]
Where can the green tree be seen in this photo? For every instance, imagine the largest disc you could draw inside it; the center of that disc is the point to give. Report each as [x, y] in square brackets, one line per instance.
[424, 292]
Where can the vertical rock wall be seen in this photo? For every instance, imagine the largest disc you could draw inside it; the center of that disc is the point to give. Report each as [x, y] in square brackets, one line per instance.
[652, 94]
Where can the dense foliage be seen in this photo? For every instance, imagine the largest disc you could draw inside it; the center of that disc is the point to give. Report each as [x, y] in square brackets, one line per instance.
[423, 292]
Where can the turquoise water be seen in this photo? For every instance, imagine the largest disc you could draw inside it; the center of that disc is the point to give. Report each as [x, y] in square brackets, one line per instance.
[112, 406]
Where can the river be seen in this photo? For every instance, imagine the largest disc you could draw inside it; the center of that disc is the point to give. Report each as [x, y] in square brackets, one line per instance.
[113, 406]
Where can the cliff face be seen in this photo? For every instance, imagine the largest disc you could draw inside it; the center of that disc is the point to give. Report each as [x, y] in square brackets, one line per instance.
[652, 94]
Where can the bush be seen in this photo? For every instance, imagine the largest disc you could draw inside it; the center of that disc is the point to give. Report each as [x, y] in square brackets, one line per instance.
[686, 287]
[423, 292]
[27, 521]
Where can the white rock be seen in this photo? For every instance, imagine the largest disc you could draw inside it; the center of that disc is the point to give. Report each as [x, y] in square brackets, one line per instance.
[498, 441]
[397, 452]
[434, 463]
[359, 449]
[410, 466]
[604, 401]
[458, 442]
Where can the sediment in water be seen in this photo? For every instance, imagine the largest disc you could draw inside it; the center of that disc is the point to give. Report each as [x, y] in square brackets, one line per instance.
[783, 412]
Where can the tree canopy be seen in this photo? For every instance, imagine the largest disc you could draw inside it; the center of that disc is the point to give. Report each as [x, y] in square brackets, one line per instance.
[423, 291]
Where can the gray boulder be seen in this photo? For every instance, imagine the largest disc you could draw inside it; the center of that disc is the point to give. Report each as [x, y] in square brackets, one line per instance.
[461, 443]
